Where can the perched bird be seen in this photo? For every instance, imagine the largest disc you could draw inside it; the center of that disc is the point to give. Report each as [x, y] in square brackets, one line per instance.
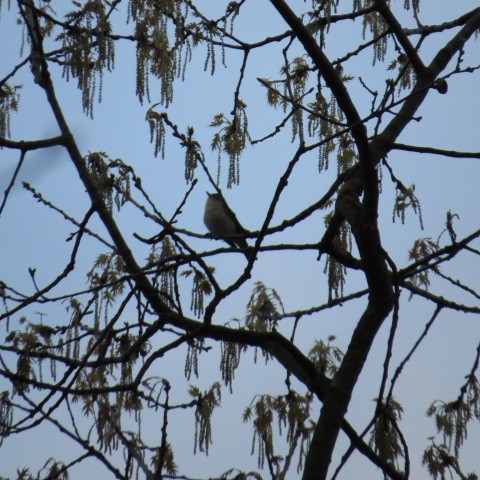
[222, 223]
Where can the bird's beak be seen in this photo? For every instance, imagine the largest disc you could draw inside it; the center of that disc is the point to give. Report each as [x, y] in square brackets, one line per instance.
[209, 194]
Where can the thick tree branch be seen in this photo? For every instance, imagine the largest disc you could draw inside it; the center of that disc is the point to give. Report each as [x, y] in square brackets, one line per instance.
[428, 29]
[382, 144]
[435, 151]
[396, 28]
[288, 355]
[26, 145]
[328, 72]
[336, 85]
[339, 393]
[367, 237]
[95, 195]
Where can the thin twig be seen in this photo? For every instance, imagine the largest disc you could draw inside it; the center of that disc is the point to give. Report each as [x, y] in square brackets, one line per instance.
[12, 181]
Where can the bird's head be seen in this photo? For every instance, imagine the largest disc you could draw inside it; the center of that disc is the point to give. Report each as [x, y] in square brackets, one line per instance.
[214, 197]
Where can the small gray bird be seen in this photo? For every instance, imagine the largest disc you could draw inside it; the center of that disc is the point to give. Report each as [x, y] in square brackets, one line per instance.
[222, 223]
